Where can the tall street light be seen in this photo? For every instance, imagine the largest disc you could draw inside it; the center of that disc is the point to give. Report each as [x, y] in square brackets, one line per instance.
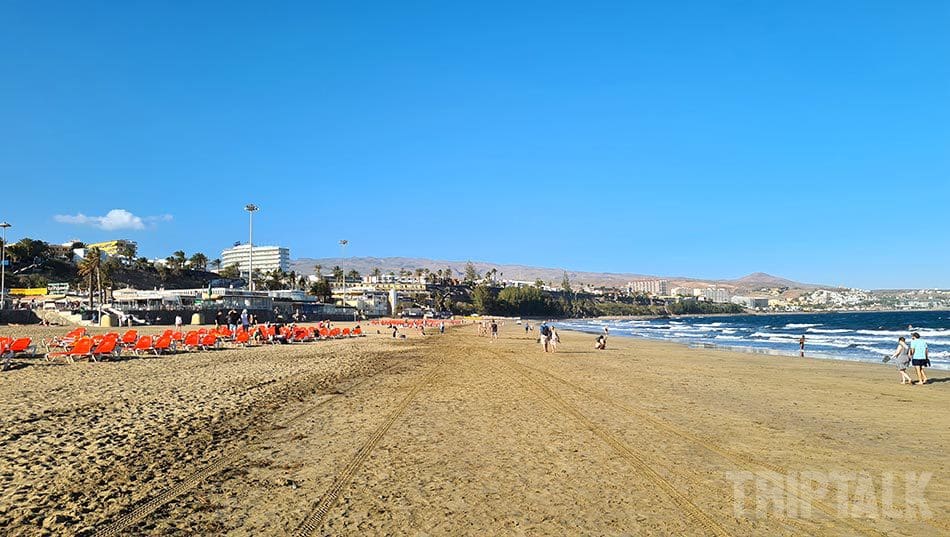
[250, 208]
[3, 267]
[343, 244]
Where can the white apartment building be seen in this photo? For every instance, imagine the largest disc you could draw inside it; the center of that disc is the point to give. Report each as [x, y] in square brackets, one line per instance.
[716, 294]
[265, 258]
[751, 302]
[681, 291]
[653, 287]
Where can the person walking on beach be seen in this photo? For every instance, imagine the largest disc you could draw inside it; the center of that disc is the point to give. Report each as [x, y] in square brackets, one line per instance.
[545, 336]
[555, 339]
[245, 320]
[442, 327]
[902, 354]
[232, 320]
[178, 323]
[494, 330]
[919, 357]
[801, 346]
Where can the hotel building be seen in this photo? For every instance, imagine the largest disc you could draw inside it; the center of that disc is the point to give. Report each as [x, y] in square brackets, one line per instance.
[265, 258]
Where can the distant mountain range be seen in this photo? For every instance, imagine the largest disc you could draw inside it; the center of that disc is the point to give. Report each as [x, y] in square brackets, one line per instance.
[365, 265]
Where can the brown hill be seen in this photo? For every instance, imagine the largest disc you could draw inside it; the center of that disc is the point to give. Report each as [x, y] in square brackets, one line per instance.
[365, 265]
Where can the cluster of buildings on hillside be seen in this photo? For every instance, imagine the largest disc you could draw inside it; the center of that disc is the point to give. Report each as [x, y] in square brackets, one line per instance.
[75, 250]
[780, 300]
[662, 289]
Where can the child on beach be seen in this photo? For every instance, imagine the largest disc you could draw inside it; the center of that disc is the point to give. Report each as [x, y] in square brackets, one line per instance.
[902, 354]
[919, 357]
[555, 339]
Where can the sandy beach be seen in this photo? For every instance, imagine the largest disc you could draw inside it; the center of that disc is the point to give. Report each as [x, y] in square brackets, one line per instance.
[458, 435]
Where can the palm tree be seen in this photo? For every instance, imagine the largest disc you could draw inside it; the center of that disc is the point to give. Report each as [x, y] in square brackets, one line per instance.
[179, 259]
[231, 271]
[198, 261]
[318, 270]
[89, 267]
[216, 265]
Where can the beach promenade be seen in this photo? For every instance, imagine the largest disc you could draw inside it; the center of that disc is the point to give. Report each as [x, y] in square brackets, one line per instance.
[458, 435]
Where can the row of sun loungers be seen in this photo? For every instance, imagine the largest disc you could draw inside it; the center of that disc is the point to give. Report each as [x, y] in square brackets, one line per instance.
[77, 344]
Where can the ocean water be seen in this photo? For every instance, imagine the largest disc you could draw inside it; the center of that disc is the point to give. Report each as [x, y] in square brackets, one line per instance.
[858, 336]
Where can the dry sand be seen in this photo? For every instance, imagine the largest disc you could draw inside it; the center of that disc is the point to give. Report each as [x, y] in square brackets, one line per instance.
[454, 434]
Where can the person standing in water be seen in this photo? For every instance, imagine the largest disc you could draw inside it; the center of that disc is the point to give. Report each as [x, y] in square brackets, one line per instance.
[919, 357]
[801, 346]
[902, 354]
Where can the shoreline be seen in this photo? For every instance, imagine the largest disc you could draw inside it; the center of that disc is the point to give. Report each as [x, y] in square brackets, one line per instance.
[741, 350]
[812, 355]
[744, 314]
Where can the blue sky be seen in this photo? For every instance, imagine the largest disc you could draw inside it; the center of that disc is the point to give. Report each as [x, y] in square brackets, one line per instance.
[709, 139]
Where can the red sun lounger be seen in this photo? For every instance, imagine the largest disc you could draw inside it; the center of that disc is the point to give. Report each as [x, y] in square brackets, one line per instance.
[108, 348]
[81, 349]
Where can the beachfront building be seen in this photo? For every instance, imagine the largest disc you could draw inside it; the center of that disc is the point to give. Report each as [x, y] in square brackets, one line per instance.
[653, 287]
[716, 294]
[370, 303]
[265, 258]
[751, 302]
[113, 248]
[681, 291]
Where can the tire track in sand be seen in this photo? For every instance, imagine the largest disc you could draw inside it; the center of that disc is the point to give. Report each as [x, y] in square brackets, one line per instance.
[731, 455]
[140, 511]
[314, 521]
[696, 514]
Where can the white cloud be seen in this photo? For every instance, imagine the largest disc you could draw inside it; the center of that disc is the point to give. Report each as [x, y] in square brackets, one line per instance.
[113, 220]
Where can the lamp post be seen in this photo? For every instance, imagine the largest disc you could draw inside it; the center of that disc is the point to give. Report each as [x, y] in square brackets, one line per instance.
[3, 267]
[250, 208]
[343, 244]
